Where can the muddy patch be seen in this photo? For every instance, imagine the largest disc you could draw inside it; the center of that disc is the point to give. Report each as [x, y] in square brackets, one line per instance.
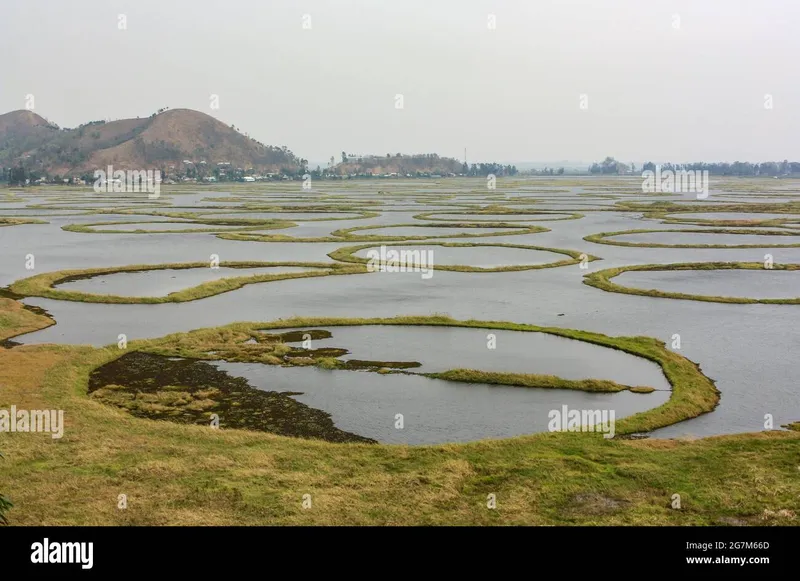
[189, 391]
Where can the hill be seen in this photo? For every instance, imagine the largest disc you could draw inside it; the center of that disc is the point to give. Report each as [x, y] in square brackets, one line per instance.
[161, 141]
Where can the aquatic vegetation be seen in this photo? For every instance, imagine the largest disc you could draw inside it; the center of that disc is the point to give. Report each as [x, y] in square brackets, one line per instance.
[607, 238]
[602, 280]
[244, 225]
[347, 254]
[42, 285]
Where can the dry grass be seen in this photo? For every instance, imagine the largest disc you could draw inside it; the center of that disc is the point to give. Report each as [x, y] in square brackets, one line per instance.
[187, 475]
[15, 319]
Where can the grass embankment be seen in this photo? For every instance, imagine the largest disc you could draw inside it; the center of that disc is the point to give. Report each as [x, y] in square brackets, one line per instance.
[18, 319]
[513, 229]
[347, 234]
[347, 254]
[42, 285]
[500, 210]
[536, 380]
[244, 225]
[176, 474]
[602, 280]
[664, 210]
[245, 210]
[604, 238]
[6, 222]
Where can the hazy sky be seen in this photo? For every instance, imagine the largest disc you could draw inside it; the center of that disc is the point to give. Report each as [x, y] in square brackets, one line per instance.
[678, 80]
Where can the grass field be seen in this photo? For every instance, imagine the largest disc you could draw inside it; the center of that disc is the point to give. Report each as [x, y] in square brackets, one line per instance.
[176, 474]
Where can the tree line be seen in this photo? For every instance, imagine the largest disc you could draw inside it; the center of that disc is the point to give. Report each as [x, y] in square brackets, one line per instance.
[610, 166]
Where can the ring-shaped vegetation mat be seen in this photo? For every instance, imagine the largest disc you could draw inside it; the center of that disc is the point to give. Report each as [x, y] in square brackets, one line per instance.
[227, 225]
[606, 238]
[692, 393]
[42, 285]
[509, 230]
[602, 280]
[347, 254]
[507, 214]
[88, 204]
[346, 235]
[673, 213]
[671, 218]
[246, 211]
[6, 222]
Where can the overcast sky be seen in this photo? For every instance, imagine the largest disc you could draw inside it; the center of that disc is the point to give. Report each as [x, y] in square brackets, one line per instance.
[679, 80]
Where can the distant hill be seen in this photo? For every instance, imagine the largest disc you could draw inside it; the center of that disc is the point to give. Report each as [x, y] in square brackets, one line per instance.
[159, 141]
[400, 164]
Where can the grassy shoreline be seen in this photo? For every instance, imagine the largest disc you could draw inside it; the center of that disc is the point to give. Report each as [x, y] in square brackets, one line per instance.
[193, 475]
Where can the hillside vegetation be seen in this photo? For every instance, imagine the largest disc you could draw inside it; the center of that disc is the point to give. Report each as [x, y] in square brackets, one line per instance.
[162, 140]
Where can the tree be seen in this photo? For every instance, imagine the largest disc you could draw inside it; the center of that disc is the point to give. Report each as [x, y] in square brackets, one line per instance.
[344, 157]
[17, 176]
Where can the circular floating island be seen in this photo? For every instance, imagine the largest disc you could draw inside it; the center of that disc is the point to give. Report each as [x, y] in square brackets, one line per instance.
[449, 255]
[733, 217]
[700, 238]
[296, 377]
[754, 272]
[499, 214]
[273, 215]
[212, 282]
[412, 232]
[433, 231]
[176, 226]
